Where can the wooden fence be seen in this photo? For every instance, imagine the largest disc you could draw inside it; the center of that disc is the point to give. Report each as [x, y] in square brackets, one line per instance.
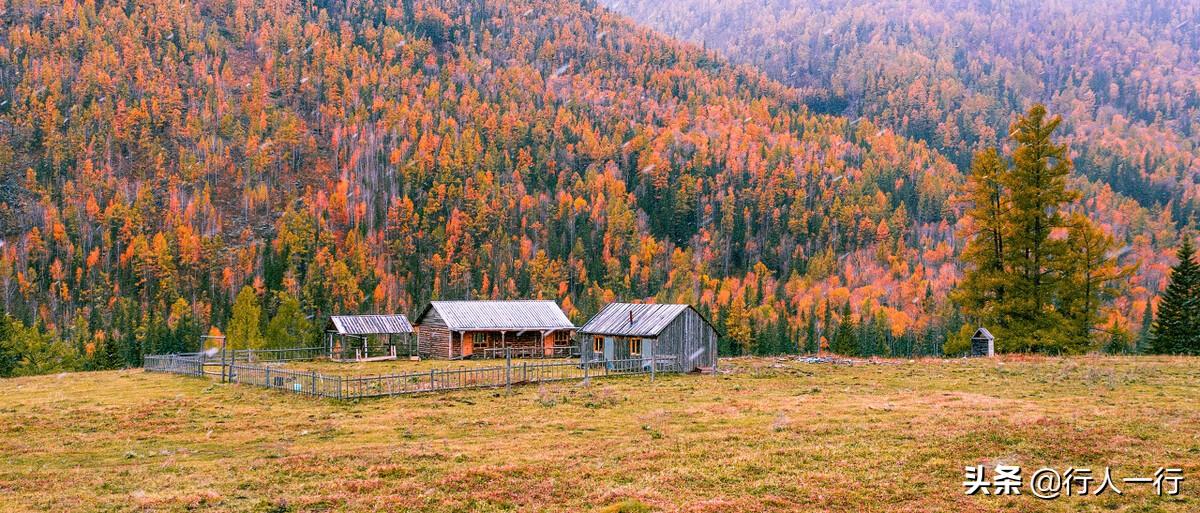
[315, 384]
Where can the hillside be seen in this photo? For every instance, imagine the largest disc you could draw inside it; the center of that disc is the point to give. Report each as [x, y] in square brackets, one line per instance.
[954, 73]
[369, 156]
[769, 435]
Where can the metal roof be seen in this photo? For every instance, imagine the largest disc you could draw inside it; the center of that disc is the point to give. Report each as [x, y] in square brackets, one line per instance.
[983, 333]
[369, 324]
[500, 315]
[648, 319]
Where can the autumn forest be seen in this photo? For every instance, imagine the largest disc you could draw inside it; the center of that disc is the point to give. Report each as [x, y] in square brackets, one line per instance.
[164, 163]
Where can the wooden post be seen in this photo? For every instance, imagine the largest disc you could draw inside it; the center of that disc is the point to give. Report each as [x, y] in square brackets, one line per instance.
[314, 383]
[507, 370]
[431, 380]
[583, 355]
[267, 377]
[653, 359]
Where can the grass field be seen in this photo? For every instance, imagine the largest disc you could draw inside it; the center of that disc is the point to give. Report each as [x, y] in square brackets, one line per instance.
[769, 435]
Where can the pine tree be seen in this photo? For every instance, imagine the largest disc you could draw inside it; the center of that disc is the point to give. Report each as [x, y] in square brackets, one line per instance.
[844, 341]
[1145, 334]
[1176, 327]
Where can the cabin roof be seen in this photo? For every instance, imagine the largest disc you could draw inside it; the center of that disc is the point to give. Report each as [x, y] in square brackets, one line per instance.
[648, 320]
[369, 324]
[983, 333]
[516, 315]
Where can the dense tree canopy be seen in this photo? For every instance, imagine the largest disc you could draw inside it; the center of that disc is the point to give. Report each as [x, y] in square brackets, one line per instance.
[955, 73]
[369, 156]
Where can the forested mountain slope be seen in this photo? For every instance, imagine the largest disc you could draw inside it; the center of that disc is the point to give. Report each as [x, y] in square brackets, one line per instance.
[367, 156]
[1124, 74]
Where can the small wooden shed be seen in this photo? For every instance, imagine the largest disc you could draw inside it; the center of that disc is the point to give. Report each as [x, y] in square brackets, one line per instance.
[623, 331]
[492, 329]
[368, 337]
[983, 343]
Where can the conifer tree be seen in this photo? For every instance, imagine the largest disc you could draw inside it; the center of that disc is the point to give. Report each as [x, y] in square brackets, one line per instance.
[1036, 186]
[844, 341]
[1176, 329]
[289, 327]
[982, 289]
[243, 329]
[1036, 277]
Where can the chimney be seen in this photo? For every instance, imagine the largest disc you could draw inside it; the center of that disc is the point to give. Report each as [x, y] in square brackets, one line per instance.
[631, 318]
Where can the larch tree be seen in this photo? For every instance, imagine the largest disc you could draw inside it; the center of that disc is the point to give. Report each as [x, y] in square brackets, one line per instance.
[1036, 186]
[982, 289]
[1036, 276]
[243, 330]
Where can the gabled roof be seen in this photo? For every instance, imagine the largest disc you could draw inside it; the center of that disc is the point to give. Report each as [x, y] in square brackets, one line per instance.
[499, 315]
[648, 319]
[983, 332]
[369, 324]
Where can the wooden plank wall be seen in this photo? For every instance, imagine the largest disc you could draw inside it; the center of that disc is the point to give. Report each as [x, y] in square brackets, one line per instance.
[689, 335]
[433, 337]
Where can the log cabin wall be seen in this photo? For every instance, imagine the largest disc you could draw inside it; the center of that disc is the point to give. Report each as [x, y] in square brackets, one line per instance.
[433, 337]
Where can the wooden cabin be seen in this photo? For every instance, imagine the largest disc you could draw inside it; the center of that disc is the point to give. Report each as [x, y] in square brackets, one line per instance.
[625, 331]
[489, 329]
[361, 338]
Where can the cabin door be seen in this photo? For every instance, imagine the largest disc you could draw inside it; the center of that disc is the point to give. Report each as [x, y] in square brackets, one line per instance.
[468, 344]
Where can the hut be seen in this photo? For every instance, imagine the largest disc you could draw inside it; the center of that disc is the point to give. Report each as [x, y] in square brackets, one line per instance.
[368, 337]
[983, 343]
[624, 331]
[492, 329]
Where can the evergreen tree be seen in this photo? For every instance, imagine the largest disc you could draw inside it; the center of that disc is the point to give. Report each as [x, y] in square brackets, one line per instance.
[1144, 335]
[844, 341]
[1175, 329]
[289, 327]
[812, 339]
[243, 328]
[8, 356]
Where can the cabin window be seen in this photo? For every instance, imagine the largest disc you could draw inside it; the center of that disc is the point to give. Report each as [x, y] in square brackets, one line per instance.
[597, 344]
[635, 347]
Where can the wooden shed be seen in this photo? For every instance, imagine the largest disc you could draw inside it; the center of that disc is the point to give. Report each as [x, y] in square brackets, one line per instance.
[368, 337]
[623, 331]
[489, 329]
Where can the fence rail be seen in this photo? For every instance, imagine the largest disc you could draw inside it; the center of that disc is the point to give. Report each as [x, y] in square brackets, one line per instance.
[278, 355]
[315, 384]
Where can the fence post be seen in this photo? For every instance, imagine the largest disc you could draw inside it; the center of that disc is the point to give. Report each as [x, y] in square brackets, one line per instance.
[507, 370]
[525, 372]
[431, 380]
[339, 385]
[267, 377]
[653, 360]
[583, 356]
[314, 383]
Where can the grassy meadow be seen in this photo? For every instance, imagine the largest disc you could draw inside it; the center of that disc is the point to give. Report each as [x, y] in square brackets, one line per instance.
[765, 435]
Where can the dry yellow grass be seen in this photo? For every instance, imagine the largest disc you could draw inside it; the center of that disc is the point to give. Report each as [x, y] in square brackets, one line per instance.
[769, 436]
